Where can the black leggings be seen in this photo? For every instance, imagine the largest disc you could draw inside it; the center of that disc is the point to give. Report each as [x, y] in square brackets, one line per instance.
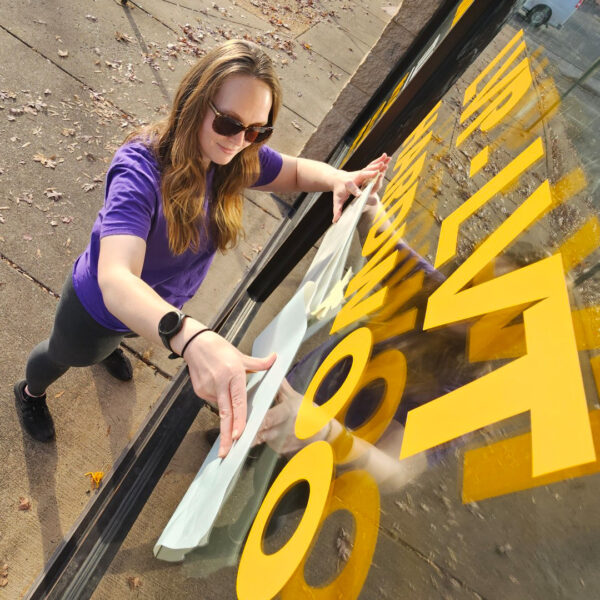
[76, 340]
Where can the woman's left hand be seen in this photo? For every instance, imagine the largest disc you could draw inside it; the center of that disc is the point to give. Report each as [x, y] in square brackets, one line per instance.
[349, 182]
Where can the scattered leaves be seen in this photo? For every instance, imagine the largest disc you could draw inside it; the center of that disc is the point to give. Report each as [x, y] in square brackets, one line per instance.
[52, 194]
[95, 478]
[134, 583]
[24, 503]
[63, 53]
[123, 37]
[50, 163]
[26, 197]
[88, 187]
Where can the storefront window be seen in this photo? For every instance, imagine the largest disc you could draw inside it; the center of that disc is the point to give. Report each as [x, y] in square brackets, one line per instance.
[435, 432]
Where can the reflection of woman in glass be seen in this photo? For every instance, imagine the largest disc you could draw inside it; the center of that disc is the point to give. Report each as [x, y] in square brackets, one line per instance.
[173, 197]
[435, 364]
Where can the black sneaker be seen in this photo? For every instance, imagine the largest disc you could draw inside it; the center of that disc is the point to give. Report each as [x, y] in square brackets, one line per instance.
[118, 365]
[34, 414]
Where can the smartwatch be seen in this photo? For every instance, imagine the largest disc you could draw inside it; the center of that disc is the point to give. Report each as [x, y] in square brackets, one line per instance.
[168, 326]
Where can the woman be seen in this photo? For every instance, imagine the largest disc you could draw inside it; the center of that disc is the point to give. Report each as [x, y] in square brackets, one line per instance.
[173, 197]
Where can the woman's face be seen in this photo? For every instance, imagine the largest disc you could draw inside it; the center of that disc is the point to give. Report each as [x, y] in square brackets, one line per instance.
[244, 98]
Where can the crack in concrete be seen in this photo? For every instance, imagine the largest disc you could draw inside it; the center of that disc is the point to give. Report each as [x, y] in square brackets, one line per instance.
[13, 265]
[440, 570]
[81, 82]
[146, 361]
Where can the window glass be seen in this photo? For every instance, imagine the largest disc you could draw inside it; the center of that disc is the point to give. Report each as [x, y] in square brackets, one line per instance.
[436, 428]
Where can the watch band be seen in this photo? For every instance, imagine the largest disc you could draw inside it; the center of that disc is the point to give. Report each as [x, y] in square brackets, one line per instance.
[169, 325]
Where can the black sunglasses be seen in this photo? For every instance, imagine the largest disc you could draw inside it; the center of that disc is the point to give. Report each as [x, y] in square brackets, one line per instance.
[228, 126]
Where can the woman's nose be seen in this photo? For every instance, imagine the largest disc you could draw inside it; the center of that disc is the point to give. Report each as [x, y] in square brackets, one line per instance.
[238, 138]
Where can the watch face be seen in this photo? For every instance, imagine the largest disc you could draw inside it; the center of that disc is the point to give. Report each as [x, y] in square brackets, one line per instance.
[169, 322]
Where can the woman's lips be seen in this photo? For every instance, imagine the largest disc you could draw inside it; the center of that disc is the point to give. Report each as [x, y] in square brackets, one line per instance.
[227, 150]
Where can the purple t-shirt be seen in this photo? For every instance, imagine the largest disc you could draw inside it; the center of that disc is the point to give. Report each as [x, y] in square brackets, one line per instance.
[133, 206]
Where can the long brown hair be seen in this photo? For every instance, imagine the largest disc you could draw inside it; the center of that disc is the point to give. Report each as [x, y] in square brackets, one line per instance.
[175, 142]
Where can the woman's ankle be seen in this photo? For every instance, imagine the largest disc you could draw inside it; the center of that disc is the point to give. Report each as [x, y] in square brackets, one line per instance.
[33, 395]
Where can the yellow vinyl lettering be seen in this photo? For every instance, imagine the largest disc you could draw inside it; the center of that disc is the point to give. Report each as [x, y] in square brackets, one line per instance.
[471, 90]
[357, 493]
[261, 576]
[360, 300]
[390, 366]
[312, 418]
[502, 98]
[546, 381]
[449, 229]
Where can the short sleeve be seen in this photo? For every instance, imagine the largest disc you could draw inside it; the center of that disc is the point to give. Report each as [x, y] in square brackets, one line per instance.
[270, 165]
[131, 193]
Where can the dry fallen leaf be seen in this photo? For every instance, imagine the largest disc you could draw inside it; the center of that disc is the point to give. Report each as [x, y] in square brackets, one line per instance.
[24, 503]
[95, 478]
[50, 163]
[52, 194]
[63, 53]
[296, 125]
[3, 582]
[123, 37]
[88, 187]
[134, 582]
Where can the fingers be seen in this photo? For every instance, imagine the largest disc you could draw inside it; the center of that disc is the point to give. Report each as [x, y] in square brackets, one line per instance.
[226, 417]
[377, 184]
[253, 364]
[232, 404]
[237, 394]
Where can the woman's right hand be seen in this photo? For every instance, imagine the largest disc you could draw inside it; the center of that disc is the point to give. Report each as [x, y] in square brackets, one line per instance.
[218, 374]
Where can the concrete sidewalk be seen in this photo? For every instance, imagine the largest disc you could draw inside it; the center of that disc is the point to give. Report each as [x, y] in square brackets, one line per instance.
[74, 79]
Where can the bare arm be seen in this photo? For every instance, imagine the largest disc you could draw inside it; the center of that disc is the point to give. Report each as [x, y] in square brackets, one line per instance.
[305, 175]
[217, 369]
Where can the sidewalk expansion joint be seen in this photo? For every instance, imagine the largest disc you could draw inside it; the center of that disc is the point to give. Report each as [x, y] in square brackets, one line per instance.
[219, 17]
[25, 274]
[146, 361]
[393, 535]
[66, 72]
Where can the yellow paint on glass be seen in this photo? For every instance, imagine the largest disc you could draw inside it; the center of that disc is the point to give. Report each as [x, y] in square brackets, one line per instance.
[394, 327]
[262, 576]
[460, 11]
[505, 467]
[357, 493]
[581, 244]
[500, 100]
[546, 381]
[492, 86]
[400, 184]
[400, 295]
[595, 363]
[479, 161]
[361, 301]
[390, 366]
[312, 418]
[586, 323]
[450, 225]
[568, 185]
[471, 90]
